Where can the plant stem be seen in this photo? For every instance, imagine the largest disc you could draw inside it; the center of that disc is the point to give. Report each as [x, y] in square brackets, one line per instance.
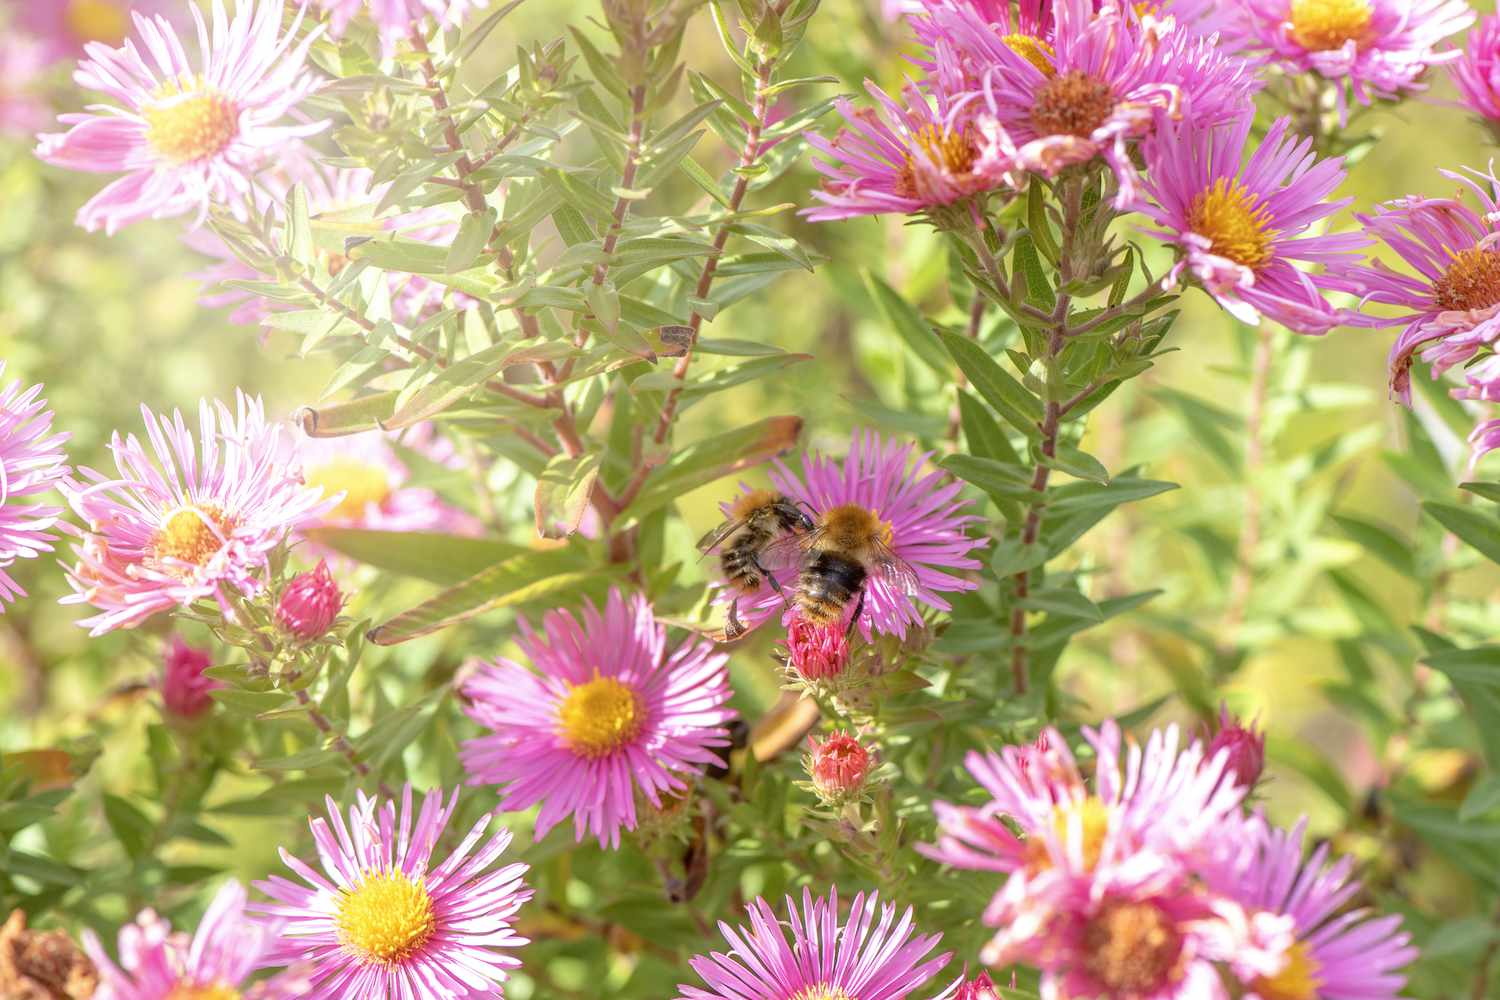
[1243, 579]
[339, 740]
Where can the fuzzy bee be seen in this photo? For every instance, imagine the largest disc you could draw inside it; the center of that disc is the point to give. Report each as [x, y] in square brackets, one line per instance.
[756, 521]
[848, 547]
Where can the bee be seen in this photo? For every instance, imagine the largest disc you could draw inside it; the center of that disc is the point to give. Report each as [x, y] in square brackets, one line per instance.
[756, 520]
[848, 547]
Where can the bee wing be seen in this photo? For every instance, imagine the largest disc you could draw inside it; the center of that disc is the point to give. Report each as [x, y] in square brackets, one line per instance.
[716, 537]
[895, 572]
[788, 552]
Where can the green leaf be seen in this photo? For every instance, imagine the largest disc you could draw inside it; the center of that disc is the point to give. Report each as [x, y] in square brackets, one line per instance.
[299, 237]
[1026, 262]
[394, 731]
[1482, 798]
[131, 827]
[1475, 675]
[1077, 497]
[424, 555]
[562, 494]
[1490, 491]
[473, 233]
[458, 381]
[1007, 396]
[1381, 542]
[712, 459]
[1076, 463]
[1479, 530]
[908, 324]
[1001, 480]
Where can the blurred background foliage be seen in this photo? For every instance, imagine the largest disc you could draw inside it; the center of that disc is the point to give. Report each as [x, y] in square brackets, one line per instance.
[1316, 642]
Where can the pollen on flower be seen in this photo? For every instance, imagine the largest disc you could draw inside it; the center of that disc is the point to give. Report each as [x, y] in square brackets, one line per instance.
[1472, 281]
[1297, 980]
[1093, 820]
[821, 992]
[1131, 947]
[1320, 25]
[386, 919]
[1075, 103]
[1033, 50]
[362, 483]
[1235, 223]
[187, 991]
[951, 152]
[185, 125]
[600, 716]
[97, 21]
[192, 534]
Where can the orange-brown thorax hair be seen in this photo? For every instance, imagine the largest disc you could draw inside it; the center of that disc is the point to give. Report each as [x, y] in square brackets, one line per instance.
[852, 530]
[743, 506]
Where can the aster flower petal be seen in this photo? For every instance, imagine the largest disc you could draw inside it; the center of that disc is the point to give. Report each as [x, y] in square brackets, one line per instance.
[32, 462]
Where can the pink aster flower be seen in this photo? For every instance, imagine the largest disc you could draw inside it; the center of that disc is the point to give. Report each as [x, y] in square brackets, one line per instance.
[1477, 73]
[972, 31]
[22, 110]
[397, 19]
[1103, 85]
[884, 960]
[607, 711]
[1370, 48]
[186, 137]
[156, 964]
[1335, 952]
[197, 522]
[382, 920]
[1239, 228]
[65, 27]
[1451, 305]
[184, 688]
[925, 514]
[372, 481]
[31, 462]
[310, 604]
[838, 767]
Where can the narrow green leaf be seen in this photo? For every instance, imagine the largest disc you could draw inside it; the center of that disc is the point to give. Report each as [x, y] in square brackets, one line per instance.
[908, 324]
[423, 555]
[1479, 530]
[1001, 390]
[712, 459]
[562, 494]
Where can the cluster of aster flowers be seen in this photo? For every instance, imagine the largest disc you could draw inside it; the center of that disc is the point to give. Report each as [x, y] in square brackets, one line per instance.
[1152, 879]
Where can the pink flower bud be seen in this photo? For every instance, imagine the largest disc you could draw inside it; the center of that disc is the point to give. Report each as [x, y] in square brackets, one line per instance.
[980, 988]
[817, 652]
[1245, 745]
[310, 603]
[184, 689]
[838, 766]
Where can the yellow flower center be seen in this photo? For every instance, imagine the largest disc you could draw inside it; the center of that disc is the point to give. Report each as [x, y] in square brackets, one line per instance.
[387, 919]
[187, 991]
[1131, 948]
[1075, 103]
[600, 716]
[1320, 25]
[362, 483]
[1235, 223]
[1297, 980]
[192, 534]
[188, 122]
[1033, 50]
[97, 21]
[821, 992]
[1093, 820]
[1472, 281]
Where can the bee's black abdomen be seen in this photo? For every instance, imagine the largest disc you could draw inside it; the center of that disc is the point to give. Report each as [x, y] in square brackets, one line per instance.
[828, 585]
[739, 561]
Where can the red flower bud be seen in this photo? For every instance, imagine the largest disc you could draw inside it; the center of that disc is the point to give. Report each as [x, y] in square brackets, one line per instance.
[817, 652]
[310, 603]
[838, 766]
[1245, 746]
[184, 689]
[980, 988]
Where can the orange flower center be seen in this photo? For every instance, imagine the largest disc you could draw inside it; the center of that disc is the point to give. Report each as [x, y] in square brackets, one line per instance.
[386, 919]
[192, 534]
[189, 123]
[600, 716]
[1320, 25]
[362, 483]
[821, 992]
[1033, 50]
[1092, 816]
[1075, 103]
[97, 21]
[1297, 980]
[1472, 281]
[1131, 948]
[1235, 223]
[187, 991]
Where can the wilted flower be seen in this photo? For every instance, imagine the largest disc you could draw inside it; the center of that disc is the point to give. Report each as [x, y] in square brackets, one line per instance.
[1370, 48]
[42, 965]
[607, 710]
[838, 766]
[197, 522]
[155, 964]
[184, 688]
[383, 920]
[31, 462]
[186, 137]
[1241, 227]
[397, 19]
[925, 514]
[824, 961]
[310, 603]
[1477, 73]
[1244, 745]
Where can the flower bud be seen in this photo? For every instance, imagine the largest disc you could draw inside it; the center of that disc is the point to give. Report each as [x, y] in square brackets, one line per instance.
[838, 767]
[184, 689]
[816, 652]
[1245, 745]
[980, 988]
[310, 603]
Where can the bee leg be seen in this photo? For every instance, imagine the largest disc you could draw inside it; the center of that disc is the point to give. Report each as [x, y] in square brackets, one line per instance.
[733, 627]
[769, 578]
[859, 607]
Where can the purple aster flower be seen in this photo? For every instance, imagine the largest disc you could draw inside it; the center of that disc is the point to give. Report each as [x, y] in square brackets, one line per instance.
[372, 481]
[1477, 73]
[31, 462]
[607, 712]
[825, 960]
[1239, 228]
[1335, 952]
[156, 964]
[197, 522]
[1371, 48]
[396, 19]
[925, 515]
[186, 136]
[382, 920]
[1104, 85]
